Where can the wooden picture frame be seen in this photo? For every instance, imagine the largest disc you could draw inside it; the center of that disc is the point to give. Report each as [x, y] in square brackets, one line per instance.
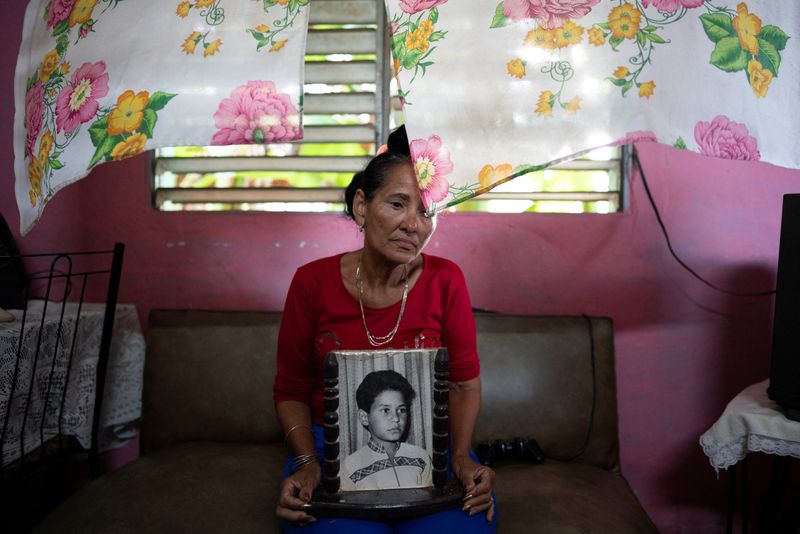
[417, 483]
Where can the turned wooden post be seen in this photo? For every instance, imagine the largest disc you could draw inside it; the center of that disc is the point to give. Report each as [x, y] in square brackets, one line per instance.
[441, 419]
[330, 472]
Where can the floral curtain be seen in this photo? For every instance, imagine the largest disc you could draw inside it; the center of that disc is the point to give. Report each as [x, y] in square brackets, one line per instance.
[103, 80]
[495, 90]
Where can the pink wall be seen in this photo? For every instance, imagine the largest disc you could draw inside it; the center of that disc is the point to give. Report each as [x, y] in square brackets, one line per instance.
[683, 350]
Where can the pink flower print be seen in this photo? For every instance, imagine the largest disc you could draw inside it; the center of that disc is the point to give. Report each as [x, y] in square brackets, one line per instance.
[256, 113]
[59, 11]
[431, 163]
[86, 29]
[413, 6]
[78, 101]
[671, 6]
[548, 13]
[34, 110]
[723, 138]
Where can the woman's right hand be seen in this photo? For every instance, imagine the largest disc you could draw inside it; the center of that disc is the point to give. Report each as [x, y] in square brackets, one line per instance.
[295, 492]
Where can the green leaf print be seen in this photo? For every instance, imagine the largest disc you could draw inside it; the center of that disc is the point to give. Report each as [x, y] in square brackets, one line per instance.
[680, 143]
[148, 122]
[656, 38]
[159, 99]
[500, 18]
[768, 56]
[98, 131]
[103, 150]
[717, 26]
[433, 16]
[410, 59]
[728, 55]
[773, 35]
[61, 44]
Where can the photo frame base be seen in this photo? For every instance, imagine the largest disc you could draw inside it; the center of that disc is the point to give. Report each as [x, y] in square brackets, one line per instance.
[390, 504]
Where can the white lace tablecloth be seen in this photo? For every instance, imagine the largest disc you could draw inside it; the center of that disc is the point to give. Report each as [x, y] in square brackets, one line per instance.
[122, 398]
[750, 423]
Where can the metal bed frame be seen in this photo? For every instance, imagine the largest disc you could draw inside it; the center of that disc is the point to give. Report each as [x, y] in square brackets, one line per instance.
[70, 277]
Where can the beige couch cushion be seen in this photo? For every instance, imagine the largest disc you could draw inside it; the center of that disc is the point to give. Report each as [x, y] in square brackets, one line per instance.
[208, 376]
[566, 498]
[188, 488]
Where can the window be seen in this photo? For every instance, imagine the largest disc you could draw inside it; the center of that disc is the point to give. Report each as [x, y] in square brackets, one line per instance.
[348, 112]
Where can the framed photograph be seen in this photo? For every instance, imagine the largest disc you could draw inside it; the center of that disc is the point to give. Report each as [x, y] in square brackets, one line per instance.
[386, 428]
[385, 419]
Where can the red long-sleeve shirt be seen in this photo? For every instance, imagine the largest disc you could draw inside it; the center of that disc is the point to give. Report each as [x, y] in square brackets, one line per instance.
[320, 316]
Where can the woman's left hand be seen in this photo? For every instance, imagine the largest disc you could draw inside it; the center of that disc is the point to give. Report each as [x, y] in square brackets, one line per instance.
[478, 481]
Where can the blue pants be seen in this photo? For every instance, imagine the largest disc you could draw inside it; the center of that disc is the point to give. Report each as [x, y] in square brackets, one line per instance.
[454, 520]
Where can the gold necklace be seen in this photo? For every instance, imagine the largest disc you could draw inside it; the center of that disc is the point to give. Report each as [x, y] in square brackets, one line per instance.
[377, 341]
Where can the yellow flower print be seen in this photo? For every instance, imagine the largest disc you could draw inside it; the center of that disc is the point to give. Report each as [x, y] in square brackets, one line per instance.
[417, 40]
[81, 12]
[426, 27]
[624, 21]
[65, 68]
[597, 37]
[190, 43]
[204, 3]
[569, 33]
[760, 77]
[35, 174]
[263, 28]
[183, 9]
[212, 48]
[489, 174]
[128, 115]
[573, 105]
[516, 68]
[542, 38]
[283, 2]
[46, 143]
[646, 89]
[48, 66]
[747, 27]
[621, 72]
[545, 105]
[32, 196]
[396, 63]
[277, 46]
[129, 147]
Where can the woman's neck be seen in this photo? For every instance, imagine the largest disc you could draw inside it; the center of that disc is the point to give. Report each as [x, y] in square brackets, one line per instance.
[375, 272]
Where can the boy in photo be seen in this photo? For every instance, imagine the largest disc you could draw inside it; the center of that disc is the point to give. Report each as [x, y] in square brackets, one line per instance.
[384, 399]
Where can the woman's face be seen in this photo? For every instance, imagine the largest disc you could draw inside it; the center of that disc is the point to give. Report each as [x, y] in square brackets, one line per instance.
[395, 224]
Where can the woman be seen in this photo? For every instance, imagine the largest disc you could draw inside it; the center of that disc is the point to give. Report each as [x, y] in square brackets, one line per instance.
[385, 295]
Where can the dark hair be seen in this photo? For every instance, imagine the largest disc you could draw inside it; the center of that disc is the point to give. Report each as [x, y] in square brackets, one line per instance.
[374, 175]
[377, 382]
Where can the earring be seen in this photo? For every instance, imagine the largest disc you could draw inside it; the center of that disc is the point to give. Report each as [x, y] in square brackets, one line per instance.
[361, 228]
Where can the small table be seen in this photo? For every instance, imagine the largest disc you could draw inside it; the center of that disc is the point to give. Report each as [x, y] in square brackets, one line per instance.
[751, 422]
[122, 396]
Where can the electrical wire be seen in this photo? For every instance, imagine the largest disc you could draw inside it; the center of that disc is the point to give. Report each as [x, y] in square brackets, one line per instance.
[683, 264]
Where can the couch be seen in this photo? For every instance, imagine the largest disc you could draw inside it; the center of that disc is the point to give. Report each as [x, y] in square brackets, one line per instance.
[212, 451]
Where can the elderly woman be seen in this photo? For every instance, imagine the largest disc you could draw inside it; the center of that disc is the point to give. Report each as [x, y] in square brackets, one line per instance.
[386, 295]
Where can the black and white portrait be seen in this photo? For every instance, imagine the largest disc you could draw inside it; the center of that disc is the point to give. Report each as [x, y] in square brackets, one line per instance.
[385, 417]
